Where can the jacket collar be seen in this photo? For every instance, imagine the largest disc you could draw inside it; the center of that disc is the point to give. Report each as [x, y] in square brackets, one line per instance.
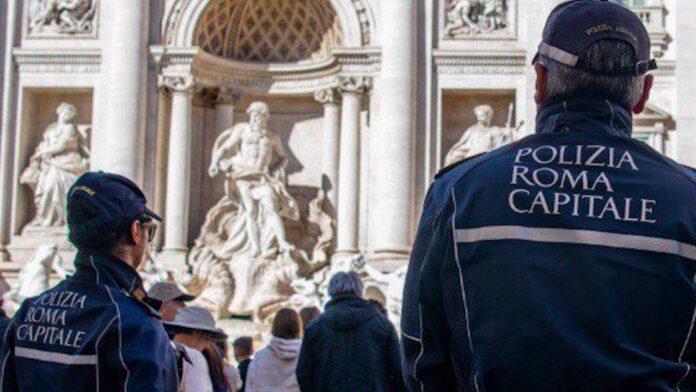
[585, 115]
[107, 270]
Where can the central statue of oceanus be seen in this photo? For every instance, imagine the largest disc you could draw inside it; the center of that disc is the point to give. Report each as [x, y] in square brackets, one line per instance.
[242, 262]
[254, 161]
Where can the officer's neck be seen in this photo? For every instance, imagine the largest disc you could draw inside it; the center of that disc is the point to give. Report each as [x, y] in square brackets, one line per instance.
[128, 255]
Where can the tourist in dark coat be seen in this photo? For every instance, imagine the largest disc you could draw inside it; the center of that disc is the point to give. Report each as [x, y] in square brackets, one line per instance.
[352, 346]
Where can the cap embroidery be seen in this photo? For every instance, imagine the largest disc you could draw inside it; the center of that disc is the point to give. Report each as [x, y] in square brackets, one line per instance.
[598, 29]
[85, 189]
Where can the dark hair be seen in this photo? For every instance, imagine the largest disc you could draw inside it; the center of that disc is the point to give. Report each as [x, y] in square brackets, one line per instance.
[309, 314]
[287, 324]
[245, 344]
[221, 344]
[216, 366]
[345, 283]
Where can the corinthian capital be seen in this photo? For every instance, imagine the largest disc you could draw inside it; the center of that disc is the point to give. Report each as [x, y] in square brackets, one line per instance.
[325, 96]
[354, 84]
[178, 84]
[228, 96]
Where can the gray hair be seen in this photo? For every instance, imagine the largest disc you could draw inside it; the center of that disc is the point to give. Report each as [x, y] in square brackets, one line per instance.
[345, 283]
[602, 56]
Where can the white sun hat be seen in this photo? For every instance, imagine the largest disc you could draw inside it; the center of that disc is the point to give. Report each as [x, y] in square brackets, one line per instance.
[196, 318]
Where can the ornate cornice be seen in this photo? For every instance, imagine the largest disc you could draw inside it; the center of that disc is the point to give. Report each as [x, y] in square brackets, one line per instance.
[303, 78]
[58, 61]
[455, 63]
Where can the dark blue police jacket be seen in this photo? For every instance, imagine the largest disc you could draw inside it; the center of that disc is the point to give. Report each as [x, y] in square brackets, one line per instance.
[563, 262]
[89, 333]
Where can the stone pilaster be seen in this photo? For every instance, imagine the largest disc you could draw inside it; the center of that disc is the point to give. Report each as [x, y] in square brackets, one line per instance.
[393, 174]
[331, 142]
[120, 147]
[7, 131]
[175, 247]
[352, 89]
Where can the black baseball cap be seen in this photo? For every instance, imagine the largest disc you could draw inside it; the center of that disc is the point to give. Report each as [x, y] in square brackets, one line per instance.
[575, 25]
[101, 206]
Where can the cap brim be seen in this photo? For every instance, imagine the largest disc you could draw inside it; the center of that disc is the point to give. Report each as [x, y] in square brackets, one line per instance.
[152, 215]
[185, 298]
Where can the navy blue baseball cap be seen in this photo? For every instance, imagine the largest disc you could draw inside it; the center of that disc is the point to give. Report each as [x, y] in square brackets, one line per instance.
[101, 206]
[575, 25]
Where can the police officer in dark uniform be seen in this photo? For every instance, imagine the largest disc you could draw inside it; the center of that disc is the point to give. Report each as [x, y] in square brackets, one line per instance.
[565, 261]
[93, 332]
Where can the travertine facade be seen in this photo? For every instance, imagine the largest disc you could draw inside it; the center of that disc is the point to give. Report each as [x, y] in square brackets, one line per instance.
[362, 101]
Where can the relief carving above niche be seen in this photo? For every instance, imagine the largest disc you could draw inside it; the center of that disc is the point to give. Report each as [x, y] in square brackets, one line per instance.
[61, 17]
[479, 19]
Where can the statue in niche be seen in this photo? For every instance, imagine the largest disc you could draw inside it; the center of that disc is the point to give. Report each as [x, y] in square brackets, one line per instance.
[475, 17]
[59, 159]
[62, 16]
[482, 136]
[243, 262]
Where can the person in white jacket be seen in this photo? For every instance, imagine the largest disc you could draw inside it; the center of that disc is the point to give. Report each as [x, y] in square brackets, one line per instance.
[273, 368]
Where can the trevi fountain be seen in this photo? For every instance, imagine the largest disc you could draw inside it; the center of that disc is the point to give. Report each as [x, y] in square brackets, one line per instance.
[282, 141]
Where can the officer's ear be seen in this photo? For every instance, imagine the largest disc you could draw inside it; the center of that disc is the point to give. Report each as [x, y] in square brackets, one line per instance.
[542, 81]
[647, 87]
[136, 232]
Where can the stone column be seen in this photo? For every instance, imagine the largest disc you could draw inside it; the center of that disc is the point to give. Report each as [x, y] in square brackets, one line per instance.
[393, 174]
[225, 105]
[7, 131]
[686, 74]
[161, 152]
[352, 89]
[178, 173]
[119, 146]
[331, 143]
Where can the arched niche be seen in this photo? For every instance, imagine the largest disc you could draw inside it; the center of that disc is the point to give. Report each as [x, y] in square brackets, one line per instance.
[356, 18]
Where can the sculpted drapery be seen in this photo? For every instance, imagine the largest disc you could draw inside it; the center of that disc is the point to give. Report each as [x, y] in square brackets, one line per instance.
[59, 159]
[482, 136]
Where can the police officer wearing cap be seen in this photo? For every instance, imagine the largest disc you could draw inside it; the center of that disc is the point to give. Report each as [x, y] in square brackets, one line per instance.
[565, 261]
[93, 332]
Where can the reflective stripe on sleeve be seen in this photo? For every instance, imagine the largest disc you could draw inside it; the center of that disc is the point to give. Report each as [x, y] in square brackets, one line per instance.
[49, 356]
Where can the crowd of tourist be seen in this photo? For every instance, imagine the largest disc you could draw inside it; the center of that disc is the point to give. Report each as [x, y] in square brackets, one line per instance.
[98, 329]
[352, 346]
